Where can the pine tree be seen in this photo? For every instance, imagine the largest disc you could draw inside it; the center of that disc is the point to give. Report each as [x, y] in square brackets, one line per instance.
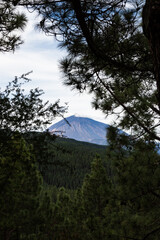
[109, 55]
[25, 111]
[133, 212]
[95, 196]
[20, 185]
[10, 21]
[62, 224]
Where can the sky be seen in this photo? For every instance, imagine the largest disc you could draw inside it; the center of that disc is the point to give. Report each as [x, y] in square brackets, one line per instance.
[40, 54]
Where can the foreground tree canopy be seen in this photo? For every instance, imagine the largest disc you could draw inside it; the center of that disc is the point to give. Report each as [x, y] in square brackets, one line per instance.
[109, 55]
[10, 21]
[112, 56]
[26, 111]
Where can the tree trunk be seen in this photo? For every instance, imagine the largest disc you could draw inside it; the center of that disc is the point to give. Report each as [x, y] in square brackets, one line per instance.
[151, 29]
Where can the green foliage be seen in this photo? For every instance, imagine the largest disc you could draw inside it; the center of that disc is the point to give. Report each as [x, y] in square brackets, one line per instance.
[117, 202]
[62, 222]
[43, 145]
[95, 188]
[109, 56]
[25, 112]
[95, 196]
[121, 205]
[23, 209]
[133, 210]
[10, 21]
[66, 162]
[20, 185]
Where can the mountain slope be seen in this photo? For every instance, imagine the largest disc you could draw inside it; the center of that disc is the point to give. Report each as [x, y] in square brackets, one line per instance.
[81, 129]
[70, 164]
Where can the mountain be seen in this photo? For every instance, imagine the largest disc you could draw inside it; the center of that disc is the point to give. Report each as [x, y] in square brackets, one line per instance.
[81, 129]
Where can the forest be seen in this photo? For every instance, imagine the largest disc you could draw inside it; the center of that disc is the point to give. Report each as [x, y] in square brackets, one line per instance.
[60, 189]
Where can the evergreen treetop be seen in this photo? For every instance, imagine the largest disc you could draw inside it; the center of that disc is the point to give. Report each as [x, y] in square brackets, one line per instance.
[109, 55]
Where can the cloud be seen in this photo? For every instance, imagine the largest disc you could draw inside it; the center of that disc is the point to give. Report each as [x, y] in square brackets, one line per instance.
[40, 54]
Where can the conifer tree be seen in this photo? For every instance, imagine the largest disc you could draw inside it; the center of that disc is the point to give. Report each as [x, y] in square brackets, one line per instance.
[25, 111]
[20, 180]
[132, 212]
[95, 196]
[10, 21]
[109, 55]
[62, 223]
[20, 185]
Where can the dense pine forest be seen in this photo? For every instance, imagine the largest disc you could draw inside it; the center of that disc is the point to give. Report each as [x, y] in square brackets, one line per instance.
[77, 190]
[71, 162]
[60, 189]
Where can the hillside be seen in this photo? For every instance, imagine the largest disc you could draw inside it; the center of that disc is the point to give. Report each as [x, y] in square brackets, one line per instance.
[70, 163]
